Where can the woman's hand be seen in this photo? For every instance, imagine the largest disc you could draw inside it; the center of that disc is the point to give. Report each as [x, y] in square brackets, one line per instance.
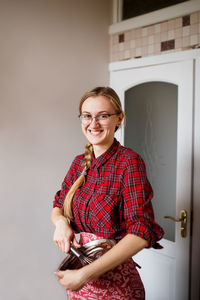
[72, 280]
[64, 236]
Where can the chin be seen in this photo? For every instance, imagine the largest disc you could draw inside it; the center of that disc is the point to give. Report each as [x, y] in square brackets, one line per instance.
[95, 141]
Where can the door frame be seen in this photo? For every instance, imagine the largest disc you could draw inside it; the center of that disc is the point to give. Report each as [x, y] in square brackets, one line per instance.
[195, 245]
[195, 205]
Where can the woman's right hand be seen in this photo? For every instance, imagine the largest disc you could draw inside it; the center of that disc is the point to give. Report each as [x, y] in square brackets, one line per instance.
[64, 236]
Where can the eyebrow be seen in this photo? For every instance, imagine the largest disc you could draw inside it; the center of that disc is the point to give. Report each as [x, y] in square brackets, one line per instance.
[100, 112]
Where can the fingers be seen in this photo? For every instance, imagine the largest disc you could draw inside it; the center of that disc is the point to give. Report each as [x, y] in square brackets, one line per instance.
[63, 245]
[67, 247]
[64, 236]
[75, 243]
[59, 274]
[60, 277]
[70, 279]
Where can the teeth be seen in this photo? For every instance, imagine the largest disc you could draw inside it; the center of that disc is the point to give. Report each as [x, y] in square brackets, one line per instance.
[95, 132]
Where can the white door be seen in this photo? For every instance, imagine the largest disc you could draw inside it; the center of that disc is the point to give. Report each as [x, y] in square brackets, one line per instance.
[166, 145]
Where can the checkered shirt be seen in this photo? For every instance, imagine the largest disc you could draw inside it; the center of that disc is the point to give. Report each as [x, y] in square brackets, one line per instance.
[116, 197]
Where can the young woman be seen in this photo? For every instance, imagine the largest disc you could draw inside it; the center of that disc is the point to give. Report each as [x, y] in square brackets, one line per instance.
[105, 194]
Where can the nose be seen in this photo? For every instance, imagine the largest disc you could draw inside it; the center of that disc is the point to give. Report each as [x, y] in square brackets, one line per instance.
[94, 122]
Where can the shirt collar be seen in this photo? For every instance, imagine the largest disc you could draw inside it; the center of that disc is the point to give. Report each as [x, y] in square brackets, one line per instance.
[100, 160]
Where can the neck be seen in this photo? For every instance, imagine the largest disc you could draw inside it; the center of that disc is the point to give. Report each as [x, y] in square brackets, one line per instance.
[100, 149]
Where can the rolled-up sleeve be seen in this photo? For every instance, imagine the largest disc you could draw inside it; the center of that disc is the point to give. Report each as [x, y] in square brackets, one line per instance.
[137, 194]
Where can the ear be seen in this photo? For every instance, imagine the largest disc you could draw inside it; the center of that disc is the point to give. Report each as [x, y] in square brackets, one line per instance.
[120, 118]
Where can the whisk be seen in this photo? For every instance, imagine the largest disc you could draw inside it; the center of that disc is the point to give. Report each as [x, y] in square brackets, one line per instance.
[83, 259]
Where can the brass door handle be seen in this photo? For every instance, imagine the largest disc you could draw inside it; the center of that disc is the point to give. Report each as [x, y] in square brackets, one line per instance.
[183, 219]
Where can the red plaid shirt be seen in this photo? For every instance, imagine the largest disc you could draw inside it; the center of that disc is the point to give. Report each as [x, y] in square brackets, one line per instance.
[116, 197]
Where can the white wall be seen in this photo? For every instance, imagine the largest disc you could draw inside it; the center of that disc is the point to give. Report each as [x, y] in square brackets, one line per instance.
[51, 52]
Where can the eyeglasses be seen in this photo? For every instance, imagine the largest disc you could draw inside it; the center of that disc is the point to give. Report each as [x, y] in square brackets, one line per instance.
[101, 118]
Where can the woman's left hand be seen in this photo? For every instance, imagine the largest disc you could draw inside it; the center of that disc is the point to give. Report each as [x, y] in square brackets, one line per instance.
[72, 280]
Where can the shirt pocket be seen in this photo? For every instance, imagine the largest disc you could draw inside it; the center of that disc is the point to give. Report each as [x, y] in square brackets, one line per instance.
[104, 214]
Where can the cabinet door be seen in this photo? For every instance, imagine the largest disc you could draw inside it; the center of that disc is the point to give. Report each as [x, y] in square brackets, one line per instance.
[159, 105]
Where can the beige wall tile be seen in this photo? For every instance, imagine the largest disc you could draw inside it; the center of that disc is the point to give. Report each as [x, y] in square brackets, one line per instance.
[178, 32]
[186, 41]
[121, 55]
[157, 28]
[127, 36]
[194, 40]
[157, 48]
[178, 43]
[194, 29]
[194, 18]
[138, 33]
[144, 31]
[171, 34]
[133, 52]
[133, 34]
[163, 26]
[171, 24]
[138, 51]
[115, 57]
[121, 46]
[132, 44]
[164, 36]
[138, 42]
[115, 48]
[127, 45]
[150, 49]
[150, 30]
[145, 41]
[186, 30]
[157, 38]
[115, 39]
[118, 56]
[127, 54]
[151, 39]
[178, 22]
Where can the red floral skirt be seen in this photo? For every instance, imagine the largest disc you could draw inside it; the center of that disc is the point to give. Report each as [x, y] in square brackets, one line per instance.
[121, 283]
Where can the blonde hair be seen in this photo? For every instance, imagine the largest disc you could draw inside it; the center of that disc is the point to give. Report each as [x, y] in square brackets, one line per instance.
[111, 95]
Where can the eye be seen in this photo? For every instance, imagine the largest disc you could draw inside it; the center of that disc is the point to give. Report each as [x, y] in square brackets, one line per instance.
[86, 116]
[103, 116]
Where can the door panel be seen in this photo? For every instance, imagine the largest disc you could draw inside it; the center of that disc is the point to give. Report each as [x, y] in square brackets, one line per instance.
[165, 272]
[154, 287]
[151, 130]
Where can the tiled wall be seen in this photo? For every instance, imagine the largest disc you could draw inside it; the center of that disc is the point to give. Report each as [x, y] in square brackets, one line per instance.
[174, 35]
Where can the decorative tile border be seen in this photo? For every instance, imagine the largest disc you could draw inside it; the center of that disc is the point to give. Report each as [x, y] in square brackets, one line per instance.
[174, 35]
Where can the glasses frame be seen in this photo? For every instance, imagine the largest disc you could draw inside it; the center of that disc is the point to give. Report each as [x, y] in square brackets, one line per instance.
[96, 118]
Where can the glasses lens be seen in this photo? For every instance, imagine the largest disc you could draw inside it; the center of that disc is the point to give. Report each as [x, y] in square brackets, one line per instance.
[102, 118]
[85, 118]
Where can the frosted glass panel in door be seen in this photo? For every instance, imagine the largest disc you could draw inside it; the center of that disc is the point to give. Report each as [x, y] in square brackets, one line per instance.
[151, 130]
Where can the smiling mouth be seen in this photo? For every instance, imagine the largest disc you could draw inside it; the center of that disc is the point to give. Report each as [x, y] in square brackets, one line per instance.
[95, 132]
